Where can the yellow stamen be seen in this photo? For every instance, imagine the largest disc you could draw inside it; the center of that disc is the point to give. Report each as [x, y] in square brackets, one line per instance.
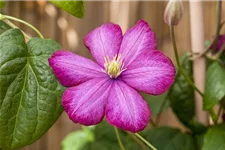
[115, 67]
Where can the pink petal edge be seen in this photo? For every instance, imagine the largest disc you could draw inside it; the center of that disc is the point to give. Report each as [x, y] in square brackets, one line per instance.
[151, 72]
[126, 108]
[85, 103]
[104, 41]
[136, 40]
[72, 69]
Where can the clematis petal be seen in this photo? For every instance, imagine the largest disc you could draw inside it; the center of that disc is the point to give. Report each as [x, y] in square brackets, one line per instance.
[136, 40]
[126, 108]
[151, 72]
[85, 103]
[104, 41]
[71, 69]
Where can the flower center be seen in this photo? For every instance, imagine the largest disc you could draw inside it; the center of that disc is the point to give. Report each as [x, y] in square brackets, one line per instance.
[115, 67]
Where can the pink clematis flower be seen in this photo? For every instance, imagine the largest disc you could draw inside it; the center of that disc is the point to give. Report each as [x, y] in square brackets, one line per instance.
[125, 64]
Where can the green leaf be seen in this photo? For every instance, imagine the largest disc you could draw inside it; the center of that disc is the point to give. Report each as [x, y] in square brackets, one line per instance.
[2, 4]
[214, 138]
[156, 103]
[76, 140]
[105, 139]
[198, 140]
[30, 95]
[215, 85]
[181, 96]
[3, 27]
[166, 138]
[74, 7]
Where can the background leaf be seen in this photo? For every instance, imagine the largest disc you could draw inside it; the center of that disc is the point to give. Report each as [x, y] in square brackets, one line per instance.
[100, 137]
[181, 97]
[2, 3]
[156, 103]
[30, 95]
[76, 140]
[181, 94]
[74, 7]
[215, 85]
[166, 138]
[214, 138]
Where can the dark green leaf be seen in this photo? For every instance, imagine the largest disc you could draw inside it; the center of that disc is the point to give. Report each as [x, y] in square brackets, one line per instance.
[76, 140]
[222, 58]
[215, 138]
[198, 140]
[3, 27]
[166, 138]
[157, 103]
[30, 95]
[181, 96]
[74, 7]
[215, 85]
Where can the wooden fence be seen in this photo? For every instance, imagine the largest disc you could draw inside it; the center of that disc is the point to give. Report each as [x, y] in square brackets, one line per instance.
[69, 32]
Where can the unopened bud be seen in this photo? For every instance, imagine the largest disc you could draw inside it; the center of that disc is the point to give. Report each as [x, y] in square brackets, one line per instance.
[173, 12]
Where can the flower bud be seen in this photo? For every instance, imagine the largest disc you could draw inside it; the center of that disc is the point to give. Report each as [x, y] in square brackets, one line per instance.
[173, 12]
[219, 45]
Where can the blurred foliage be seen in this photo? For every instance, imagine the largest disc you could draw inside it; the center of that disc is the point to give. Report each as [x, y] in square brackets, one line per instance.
[99, 137]
[181, 96]
[74, 7]
[157, 103]
[166, 138]
[215, 138]
[2, 4]
[77, 139]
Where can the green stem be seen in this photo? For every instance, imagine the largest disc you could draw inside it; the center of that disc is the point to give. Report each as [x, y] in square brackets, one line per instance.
[160, 112]
[219, 15]
[219, 113]
[145, 141]
[118, 138]
[21, 21]
[213, 116]
[211, 111]
[152, 123]
[27, 37]
[138, 141]
[178, 62]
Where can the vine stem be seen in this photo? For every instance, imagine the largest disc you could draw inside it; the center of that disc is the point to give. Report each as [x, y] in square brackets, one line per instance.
[145, 141]
[27, 37]
[119, 140]
[211, 111]
[21, 21]
[219, 15]
[178, 62]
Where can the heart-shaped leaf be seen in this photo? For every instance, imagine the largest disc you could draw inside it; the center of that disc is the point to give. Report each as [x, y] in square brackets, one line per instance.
[30, 95]
[74, 7]
[215, 85]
